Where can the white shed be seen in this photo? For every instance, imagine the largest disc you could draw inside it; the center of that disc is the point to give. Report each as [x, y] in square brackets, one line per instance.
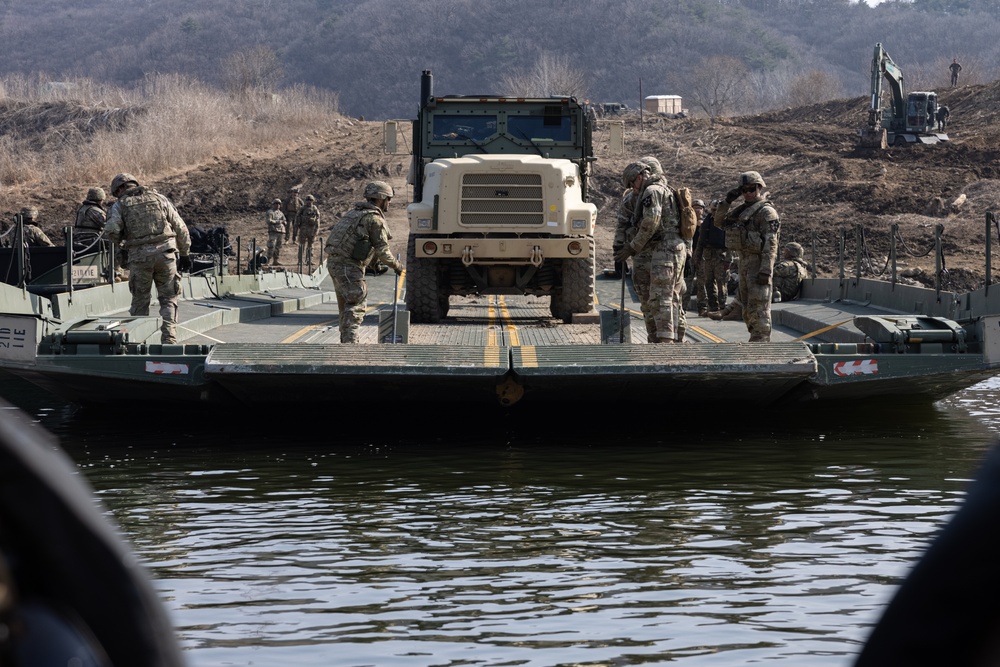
[663, 104]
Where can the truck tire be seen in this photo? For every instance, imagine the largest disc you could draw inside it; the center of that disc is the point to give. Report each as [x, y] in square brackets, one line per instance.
[423, 288]
[577, 292]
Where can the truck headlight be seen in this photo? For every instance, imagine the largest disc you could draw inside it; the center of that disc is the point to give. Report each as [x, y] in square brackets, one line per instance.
[579, 224]
[575, 247]
[423, 223]
[430, 247]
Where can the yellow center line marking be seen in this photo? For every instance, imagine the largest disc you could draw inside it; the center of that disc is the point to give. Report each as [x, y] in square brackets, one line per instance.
[491, 316]
[515, 339]
[528, 357]
[708, 334]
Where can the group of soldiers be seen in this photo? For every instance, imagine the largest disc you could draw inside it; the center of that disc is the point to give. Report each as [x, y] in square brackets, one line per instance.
[295, 220]
[742, 228]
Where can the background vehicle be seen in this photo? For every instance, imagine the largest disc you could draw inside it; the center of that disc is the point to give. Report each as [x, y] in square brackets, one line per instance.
[500, 202]
[909, 118]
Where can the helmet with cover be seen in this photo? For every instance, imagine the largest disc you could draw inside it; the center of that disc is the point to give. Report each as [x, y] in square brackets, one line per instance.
[630, 172]
[275, 201]
[29, 212]
[122, 180]
[95, 194]
[751, 178]
[378, 190]
[654, 164]
[794, 250]
[310, 198]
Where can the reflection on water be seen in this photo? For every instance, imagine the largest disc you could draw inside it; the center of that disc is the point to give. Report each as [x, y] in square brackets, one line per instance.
[775, 538]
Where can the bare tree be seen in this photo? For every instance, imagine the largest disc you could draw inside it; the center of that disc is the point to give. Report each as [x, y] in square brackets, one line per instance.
[552, 75]
[720, 82]
[812, 87]
[252, 71]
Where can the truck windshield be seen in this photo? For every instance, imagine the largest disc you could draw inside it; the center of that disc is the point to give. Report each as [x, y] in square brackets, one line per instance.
[464, 128]
[541, 129]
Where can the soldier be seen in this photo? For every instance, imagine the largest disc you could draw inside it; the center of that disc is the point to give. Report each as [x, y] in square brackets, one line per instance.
[291, 209]
[955, 69]
[154, 234]
[90, 218]
[942, 117]
[657, 231]
[306, 226]
[713, 259]
[358, 238]
[33, 234]
[277, 230]
[752, 230]
[789, 273]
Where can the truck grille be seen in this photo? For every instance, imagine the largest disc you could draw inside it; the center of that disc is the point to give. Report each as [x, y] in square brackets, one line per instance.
[502, 199]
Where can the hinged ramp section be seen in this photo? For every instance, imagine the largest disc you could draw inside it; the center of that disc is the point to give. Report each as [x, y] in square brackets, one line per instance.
[306, 373]
[747, 373]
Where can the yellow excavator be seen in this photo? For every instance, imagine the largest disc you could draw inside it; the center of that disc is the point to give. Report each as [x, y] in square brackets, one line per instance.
[907, 119]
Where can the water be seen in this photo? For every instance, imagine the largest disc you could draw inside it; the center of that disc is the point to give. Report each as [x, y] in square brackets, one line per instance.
[723, 544]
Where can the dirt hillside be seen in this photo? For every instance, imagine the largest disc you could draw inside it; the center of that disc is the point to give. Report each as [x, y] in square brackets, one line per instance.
[821, 182]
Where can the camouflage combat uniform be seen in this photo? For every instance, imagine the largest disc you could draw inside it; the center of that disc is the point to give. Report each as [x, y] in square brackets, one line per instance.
[658, 233]
[752, 230]
[306, 226]
[357, 239]
[788, 277]
[35, 237]
[154, 233]
[713, 261]
[291, 209]
[277, 230]
[90, 219]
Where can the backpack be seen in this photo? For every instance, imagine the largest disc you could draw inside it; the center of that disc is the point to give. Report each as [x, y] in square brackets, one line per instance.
[688, 216]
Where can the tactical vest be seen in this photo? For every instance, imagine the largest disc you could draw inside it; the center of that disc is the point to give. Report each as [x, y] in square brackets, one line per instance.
[144, 217]
[308, 217]
[349, 234]
[275, 222]
[90, 216]
[292, 206]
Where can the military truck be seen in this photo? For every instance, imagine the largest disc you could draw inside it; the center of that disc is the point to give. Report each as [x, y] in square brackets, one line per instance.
[500, 202]
[908, 119]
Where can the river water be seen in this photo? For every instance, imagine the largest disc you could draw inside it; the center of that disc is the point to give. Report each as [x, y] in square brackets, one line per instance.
[500, 542]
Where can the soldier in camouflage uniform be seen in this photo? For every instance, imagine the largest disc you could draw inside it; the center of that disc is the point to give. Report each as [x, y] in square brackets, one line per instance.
[752, 230]
[291, 207]
[154, 234]
[33, 234]
[277, 230]
[658, 231]
[358, 238]
[306, 226]
[90, 218]
[790, 272]
[713, 260]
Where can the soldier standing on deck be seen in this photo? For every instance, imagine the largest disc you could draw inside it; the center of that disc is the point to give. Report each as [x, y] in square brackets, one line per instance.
[752, 230]
[292, 206]
[306, 226]
[658, 230]
[355, 241]
[276, 232]
[713, 258]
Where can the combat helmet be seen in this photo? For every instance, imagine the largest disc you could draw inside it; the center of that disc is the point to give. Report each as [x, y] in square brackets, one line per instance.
[96, 194]
[310, 198]
[120, 180]
[378, 190]
[275, 201]
[633, 170]
[795, 250]
[751, 178]
[29, 212]
[654, 164]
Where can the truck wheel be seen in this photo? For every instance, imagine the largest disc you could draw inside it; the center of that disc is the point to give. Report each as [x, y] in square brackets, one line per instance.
[577, 292]
[423, 295]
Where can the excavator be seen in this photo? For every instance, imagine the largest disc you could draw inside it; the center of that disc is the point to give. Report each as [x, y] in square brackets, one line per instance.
[908, 119]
